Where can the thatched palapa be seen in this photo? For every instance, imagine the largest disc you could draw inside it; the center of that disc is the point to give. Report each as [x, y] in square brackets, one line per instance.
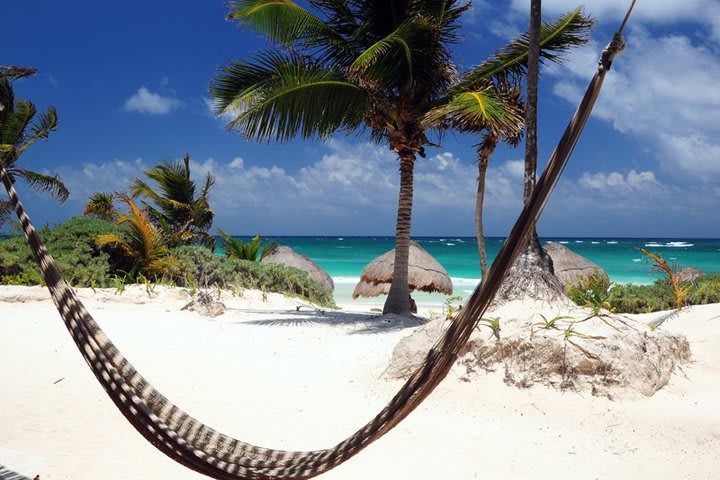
[290, 258]
[424, 274]
[570, 267]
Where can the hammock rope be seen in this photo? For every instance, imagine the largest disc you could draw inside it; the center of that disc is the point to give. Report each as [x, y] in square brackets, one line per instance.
[207, 451]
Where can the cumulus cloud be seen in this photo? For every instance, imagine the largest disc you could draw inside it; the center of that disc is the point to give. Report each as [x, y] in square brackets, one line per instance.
[657, 12]
[148, 103]
[661, 92]
[353, 188]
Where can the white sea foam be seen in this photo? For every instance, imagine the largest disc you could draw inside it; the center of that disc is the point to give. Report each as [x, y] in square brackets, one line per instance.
[578, 241]
[341, 238]
[670, 245]
[563, 242]
[612, 243]
[450, 244]
[594, 243]
[346, 280]
[464, 282]
[636, 260]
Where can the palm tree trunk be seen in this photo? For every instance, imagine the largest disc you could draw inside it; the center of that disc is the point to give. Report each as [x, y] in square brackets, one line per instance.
[398, 300]
[532, 274]
[485, 150]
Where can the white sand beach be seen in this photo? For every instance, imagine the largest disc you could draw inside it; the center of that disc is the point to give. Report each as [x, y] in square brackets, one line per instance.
[270, 375]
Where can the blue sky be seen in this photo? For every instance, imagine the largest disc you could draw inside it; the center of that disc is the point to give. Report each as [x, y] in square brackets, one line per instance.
[131, 87]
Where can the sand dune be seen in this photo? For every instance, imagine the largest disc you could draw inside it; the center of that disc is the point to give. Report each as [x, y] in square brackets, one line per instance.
[276, 377]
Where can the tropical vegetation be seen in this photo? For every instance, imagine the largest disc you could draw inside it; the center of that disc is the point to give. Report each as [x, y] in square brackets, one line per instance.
[85, 263]
[596, 292]
[253, 250]
[101, 205]
[174, 203]
[382, 67]
[20, 127]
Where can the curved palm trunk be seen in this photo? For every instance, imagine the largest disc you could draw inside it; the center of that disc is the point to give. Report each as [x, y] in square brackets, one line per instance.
[485, 151]
[398, 300]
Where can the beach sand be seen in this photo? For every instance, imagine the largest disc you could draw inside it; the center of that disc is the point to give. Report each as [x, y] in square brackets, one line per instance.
[270, 375]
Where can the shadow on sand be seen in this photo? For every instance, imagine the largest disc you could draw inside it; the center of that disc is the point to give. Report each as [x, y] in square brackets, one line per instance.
[363, 323]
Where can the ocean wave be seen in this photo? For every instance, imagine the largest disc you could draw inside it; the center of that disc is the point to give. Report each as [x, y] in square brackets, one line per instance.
[612, 243]
[578, 241]
[637, 260]
[594, 243]
[563, 242]
[669, 245]
[450, 244]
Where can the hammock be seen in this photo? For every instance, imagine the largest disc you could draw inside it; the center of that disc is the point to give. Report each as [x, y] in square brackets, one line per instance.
[207, 451]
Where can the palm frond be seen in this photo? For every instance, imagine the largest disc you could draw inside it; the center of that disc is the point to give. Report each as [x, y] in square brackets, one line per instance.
[101, 205]
[569, 30]
[41, 129]
[13, 71]
[51, 185]
[477, 110]
[286, 23]
[15, 123]
[278, 97]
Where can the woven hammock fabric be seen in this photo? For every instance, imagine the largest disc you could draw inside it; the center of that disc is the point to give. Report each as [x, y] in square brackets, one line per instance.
[199, 447]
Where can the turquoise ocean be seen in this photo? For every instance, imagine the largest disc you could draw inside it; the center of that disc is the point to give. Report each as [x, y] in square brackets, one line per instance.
[345, 257]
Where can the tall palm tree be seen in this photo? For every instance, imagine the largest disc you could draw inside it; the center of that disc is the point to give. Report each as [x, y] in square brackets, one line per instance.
[182, 212]
[19, 129]
[379, 65]
[532, 274]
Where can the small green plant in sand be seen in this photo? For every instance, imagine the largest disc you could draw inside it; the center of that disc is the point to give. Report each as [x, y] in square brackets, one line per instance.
[493, 323]
[569, 333]
[547, 324]
[450, 309]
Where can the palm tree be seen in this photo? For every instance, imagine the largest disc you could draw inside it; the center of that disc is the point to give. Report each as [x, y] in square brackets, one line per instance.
[382, 66]
[143, 243]
[532, 274]
[101, 205]
[183, 214]
[19, 129]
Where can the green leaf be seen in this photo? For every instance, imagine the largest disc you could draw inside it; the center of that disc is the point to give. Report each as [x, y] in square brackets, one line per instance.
[278, 97]
[51, 185]
[505, 66]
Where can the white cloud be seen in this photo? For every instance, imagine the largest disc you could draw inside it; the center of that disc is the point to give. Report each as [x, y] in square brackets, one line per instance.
[146, 102]
[353, 188]
[661, 91]
[659, 12]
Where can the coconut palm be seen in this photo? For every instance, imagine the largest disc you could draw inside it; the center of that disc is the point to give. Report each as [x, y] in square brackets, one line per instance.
[101, 205]
[20, 128]
[532, 274]
[142, 243]
[184, 214]
[382, 66]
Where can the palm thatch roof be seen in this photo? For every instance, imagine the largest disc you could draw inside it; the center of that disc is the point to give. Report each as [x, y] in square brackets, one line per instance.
[570, 267]
[424, 273]
[290, 258]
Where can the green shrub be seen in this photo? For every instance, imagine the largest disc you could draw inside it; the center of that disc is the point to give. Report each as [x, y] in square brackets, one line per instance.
[630, 298]
[199, 267]
[590, 290]
[72, 244]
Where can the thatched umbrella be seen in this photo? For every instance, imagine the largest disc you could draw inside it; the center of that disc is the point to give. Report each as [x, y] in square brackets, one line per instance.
[424, 273]
[290, 258]
[570, 267]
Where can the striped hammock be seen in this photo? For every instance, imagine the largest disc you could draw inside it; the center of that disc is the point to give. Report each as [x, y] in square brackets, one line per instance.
[199, 447]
